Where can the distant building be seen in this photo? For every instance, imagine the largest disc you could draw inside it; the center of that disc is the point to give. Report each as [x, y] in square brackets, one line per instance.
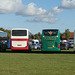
[71, 36]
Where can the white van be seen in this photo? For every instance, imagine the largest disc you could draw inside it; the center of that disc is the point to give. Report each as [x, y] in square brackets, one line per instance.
[35, 41]
[71, 42]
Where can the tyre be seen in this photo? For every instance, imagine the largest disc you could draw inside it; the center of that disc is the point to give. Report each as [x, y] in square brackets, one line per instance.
[29, 49]
[66, 48]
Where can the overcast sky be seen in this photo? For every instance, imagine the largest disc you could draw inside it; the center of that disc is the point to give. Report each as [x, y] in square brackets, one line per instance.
[38, 14]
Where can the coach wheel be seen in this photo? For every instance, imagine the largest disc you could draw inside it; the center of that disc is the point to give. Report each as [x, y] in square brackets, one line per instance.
[0, 49]
[3, 49]
[65, 48]
[29, 49]
[74, 52]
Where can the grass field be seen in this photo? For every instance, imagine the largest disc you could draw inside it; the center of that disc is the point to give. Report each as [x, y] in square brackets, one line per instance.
[37, 63]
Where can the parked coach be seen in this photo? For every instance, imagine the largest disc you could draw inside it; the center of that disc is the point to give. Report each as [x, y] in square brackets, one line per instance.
[20, 39]
[3, 41]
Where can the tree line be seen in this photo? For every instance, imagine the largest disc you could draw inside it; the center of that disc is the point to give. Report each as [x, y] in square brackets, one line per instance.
[34, 36]
[39, 35]
[66, 34]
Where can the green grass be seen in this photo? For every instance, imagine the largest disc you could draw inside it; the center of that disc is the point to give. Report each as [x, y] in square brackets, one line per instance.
[37, 63]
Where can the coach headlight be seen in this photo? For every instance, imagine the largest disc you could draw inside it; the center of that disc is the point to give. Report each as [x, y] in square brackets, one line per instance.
[4, 41]
[43, 36]
[53, 45]
[57, 35]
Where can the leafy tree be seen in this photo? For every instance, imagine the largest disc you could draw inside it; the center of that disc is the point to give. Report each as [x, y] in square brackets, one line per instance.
[1, 29]
[61, 35]
[37, 36]
[67, 34]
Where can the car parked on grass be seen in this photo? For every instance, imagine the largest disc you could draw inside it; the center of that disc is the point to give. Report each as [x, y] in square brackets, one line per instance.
[71, 42]
[64, 46]
[71, 45]
[36, 46]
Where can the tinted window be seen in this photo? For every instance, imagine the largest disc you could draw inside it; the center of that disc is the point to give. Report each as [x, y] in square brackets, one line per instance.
[50, 32]
[19, 32]
[71, 38]
[3, 34]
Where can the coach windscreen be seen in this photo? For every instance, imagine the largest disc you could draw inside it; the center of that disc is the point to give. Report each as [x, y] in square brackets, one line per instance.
[19, 32]
[50, 32]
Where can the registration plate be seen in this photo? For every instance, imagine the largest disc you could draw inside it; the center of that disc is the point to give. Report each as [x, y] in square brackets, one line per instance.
[50, 47]
[19, 45]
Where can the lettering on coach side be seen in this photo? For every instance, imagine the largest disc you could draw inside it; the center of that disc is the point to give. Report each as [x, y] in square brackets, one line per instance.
[50, 38]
